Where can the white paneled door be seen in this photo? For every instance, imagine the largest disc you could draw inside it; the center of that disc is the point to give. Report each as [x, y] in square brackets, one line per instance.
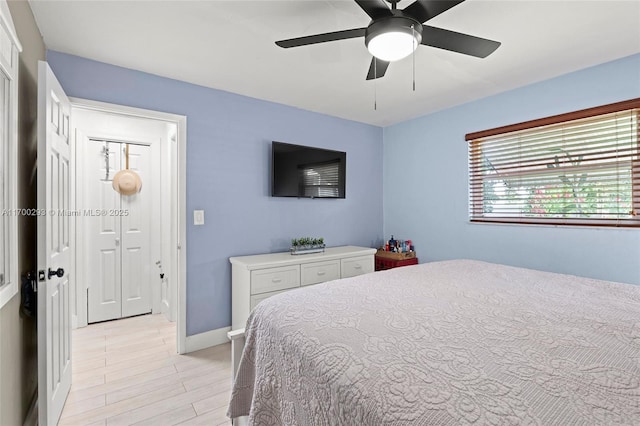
[104, 294]
[54, 247]
[119, 233]
[137, 264]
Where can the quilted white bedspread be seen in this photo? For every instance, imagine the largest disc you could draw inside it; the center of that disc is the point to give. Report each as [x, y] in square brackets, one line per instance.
[444, 343]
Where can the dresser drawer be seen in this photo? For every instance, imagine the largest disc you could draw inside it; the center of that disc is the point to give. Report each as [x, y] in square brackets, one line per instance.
[273, 279]
[318, 272]
[260, 297]
[356, 266]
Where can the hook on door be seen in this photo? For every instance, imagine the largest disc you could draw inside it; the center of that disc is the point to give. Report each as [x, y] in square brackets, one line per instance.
[105, 152]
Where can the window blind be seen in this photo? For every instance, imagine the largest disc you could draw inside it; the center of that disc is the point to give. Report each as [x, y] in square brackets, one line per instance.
[579, 168]
[321, 180]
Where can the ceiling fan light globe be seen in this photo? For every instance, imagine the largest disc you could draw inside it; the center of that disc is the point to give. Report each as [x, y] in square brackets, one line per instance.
[393, 38]
[392, 46]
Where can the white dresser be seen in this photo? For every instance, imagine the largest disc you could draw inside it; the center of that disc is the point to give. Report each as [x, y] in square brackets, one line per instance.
[255, 278]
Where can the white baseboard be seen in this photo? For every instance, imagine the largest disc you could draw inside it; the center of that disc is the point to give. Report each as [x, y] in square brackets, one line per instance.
[207, 339]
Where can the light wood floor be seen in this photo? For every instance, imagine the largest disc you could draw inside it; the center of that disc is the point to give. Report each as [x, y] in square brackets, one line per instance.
[127, 372]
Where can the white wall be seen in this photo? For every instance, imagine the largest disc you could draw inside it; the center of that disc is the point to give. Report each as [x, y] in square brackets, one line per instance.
[425, 181]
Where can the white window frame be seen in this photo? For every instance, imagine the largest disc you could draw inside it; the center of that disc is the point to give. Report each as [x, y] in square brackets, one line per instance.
[10, 48]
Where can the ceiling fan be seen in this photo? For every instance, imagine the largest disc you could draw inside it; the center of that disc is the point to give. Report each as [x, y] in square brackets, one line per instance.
[394, 34]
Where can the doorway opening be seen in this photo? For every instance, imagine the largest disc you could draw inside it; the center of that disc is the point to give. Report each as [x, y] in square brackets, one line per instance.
[129, 248]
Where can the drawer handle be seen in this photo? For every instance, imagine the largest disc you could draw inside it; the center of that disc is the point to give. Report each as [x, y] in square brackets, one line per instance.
[276, 280]
[321, 273]
[357, 266]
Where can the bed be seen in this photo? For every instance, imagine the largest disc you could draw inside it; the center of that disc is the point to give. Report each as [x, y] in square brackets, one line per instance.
[444, 343]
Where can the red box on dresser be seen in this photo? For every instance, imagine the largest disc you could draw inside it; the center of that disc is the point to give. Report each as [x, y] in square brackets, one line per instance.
[388, 260]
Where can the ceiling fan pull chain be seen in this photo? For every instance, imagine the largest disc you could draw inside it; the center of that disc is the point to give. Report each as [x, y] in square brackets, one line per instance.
[413, 45]
[375, 84]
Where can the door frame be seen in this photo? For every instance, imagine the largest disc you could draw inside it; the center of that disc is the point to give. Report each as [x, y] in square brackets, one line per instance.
[177, 258]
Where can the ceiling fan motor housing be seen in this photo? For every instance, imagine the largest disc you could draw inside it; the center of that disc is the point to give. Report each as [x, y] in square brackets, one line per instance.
[393, 24]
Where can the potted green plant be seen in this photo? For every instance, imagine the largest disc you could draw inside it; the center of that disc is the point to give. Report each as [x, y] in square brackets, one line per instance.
[306, 245]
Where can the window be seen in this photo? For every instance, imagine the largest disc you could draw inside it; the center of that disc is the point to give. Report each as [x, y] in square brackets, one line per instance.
[580, 168]
[9, 48]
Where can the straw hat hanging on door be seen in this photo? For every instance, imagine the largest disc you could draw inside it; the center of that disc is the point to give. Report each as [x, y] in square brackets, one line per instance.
[127, 182]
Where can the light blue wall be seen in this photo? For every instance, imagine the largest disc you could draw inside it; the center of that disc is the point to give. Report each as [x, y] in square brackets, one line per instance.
[228, 154]
[425, 181]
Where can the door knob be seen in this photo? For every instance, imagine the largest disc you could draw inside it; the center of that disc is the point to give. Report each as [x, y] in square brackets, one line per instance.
[58, 273]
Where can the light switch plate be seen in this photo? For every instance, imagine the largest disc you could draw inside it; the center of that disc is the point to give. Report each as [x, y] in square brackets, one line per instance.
[198, 217]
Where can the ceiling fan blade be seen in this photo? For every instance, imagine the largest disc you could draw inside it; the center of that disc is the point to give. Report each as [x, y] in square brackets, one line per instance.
[458, 42]
[377, 68]
[423, 10]
[322, 38]
[374, 8]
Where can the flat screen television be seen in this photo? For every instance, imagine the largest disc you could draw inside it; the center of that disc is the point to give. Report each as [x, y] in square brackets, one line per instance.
[307, 172]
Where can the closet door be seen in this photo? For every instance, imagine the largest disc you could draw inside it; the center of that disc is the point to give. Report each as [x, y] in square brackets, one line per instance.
[118, 236]
[136, 237]
[103, 239]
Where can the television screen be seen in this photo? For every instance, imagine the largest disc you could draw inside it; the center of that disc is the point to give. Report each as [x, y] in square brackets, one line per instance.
[307, 172]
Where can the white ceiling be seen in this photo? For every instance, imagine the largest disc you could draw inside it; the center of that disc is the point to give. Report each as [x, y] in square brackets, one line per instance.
[229, 45]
